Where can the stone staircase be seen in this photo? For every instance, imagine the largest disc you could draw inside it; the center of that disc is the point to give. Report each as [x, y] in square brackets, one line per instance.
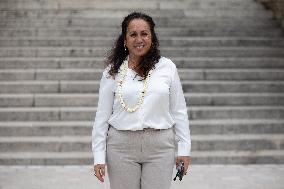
[230, 55]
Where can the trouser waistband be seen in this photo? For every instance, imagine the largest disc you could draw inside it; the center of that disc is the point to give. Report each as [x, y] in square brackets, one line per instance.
[144, 129]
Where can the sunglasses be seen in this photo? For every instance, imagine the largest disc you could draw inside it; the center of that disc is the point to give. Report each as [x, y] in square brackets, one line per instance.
[180, 170]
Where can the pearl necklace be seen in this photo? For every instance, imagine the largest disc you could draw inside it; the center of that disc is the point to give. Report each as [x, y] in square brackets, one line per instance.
[142, 94]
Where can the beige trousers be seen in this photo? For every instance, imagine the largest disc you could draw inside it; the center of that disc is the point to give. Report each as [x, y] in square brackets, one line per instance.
[140, 159]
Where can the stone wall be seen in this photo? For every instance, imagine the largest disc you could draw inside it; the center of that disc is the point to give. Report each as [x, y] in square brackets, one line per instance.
[277, 6]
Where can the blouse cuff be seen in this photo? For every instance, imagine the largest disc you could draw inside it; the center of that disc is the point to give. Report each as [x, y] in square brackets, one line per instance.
[99, 157]
[184, 149]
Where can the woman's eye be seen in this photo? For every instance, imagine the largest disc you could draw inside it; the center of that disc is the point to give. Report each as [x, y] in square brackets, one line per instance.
[132, 35]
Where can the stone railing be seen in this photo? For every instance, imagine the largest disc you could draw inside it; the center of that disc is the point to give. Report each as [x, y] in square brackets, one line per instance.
[277, 6]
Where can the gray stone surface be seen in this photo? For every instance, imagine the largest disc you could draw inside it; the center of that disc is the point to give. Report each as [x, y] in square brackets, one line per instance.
[196, 31]
[113, 22]
[184, 74]
[89, 86]
[89, 99]
[158, 13]
[181, 62]
[173, 41]
[198, 127]
[130, 4]
[167, 51]
[238, 142]
[199, 177]
[83, 113]
[199, 157]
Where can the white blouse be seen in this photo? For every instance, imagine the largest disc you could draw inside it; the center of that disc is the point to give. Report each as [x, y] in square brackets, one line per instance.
[163, 107]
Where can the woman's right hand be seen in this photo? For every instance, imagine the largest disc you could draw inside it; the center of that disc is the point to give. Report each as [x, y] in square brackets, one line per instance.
[99, 170]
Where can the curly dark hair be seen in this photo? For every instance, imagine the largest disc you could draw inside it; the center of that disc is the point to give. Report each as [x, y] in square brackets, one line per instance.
[118, 53]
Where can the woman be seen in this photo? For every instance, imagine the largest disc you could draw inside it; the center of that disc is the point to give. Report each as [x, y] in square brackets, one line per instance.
[140, 110]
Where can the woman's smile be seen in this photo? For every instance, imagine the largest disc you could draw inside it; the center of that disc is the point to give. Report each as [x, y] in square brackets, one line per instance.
[139, 46]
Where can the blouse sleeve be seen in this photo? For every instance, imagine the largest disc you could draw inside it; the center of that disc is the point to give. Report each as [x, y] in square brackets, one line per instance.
[100, 125]
[178, 110]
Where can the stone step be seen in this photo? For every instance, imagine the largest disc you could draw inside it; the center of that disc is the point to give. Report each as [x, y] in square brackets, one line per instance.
[223, 52]
[46, 158]
[96, 1]
[130, 5]
[236, 126]
[227, 13]
[233, 99]
[167, 51]
[239, 157]
[89, 99]
[185, 74]
[198, 157]
[231, 74]
[181, 62]
[51, 62]
[197, 127]
[114, 20]
[199, 143]
[32, 87]
[233, 63]
[87, 113]
[107, 42]
[233, 86]
[88, 13]
[211, 5]
[247, 31]
[209, 22]
[236, 112]
[51, 74]
[90, 86]
[97, 13]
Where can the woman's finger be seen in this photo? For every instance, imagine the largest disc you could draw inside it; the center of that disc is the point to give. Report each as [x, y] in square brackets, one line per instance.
[185, 168]
[103, 171]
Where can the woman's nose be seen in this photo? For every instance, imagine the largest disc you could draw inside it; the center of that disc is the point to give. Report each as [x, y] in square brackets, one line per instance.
[139, 38]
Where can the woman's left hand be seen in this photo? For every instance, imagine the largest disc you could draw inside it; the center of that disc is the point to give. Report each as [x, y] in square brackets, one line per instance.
[186, 160]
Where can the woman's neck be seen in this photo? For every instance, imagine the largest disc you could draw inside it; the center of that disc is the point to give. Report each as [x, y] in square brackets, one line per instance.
[134, 61]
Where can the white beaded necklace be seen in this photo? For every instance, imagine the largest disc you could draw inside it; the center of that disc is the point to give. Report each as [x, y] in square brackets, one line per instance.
[142, 94]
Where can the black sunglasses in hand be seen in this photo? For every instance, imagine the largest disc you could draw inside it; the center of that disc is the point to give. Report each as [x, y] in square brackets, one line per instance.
[180, 171]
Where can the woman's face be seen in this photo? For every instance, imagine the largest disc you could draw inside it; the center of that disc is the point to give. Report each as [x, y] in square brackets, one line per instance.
[138, 38]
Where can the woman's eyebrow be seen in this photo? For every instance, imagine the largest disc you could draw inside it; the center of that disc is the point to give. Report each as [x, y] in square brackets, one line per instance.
[140, 31]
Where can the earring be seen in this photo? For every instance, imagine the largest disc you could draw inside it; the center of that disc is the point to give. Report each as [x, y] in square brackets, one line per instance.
[125, 47]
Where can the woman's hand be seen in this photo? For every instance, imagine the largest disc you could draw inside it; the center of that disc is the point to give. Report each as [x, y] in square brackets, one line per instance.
[99, 171]
[186, 160]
